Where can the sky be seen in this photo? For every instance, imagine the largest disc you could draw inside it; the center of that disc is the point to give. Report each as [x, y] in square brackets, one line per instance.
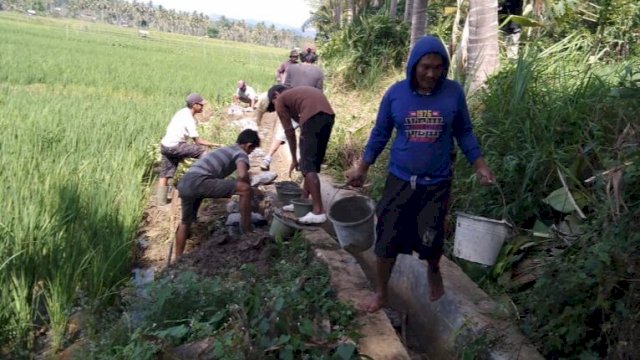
[287, 12]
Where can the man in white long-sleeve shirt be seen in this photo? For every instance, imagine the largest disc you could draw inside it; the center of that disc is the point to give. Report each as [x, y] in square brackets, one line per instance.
[174, 146]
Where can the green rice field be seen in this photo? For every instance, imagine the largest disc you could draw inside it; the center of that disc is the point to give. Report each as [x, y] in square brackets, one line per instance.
[80, 105]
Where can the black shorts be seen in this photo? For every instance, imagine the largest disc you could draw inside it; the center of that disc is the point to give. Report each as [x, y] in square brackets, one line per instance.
[411, 220]
[314, 137]
[193, 188]
[171, 157]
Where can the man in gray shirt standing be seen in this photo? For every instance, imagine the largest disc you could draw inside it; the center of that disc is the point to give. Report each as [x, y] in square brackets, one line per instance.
[206, 179]
[305, 74]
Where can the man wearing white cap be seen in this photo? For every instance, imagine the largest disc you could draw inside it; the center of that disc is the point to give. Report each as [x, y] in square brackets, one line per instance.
[174, 147]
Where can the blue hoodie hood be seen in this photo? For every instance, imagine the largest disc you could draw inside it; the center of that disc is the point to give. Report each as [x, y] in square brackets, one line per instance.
[427, 45]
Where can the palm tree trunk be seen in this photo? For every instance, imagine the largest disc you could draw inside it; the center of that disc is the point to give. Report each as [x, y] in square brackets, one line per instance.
[483, 42]
[393, 8]
[460, 58]
[337, 13]
[351, 10]
[408, 7]
[455, 31]
[419, 20]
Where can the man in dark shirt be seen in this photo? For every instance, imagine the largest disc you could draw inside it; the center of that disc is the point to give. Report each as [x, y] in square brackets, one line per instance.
[306, 55]
[206, 179]
[310, 108]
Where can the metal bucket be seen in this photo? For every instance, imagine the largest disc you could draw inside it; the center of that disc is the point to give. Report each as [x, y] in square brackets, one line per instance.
[287, 191]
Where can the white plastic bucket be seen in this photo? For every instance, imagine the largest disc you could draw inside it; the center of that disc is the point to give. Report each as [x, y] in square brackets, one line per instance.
[479, 239]
[352, 219]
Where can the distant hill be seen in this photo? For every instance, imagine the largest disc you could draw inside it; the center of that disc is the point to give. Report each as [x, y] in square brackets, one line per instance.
[310, 33]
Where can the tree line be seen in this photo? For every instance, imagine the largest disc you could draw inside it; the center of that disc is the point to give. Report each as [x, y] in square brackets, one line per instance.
[156, 17]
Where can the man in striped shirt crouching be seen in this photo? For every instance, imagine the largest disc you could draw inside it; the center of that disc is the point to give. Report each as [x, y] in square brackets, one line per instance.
[207, 179]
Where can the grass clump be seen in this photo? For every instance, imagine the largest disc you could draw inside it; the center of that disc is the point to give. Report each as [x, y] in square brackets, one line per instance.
[361, 53]
[287, 312]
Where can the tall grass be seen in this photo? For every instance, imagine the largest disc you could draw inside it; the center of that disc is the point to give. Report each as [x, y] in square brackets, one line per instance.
[553, 110]
[364, 51]
[79, 105]
[550, 109]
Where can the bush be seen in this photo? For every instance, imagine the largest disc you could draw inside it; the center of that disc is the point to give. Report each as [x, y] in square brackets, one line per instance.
[544, 115]
[366, 49]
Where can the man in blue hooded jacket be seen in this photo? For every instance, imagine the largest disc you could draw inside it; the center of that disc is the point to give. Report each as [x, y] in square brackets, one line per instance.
[428, 111]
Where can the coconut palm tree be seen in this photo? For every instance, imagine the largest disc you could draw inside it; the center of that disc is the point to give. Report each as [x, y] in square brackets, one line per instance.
[351, 11]
[483, 51]
[323, 20]
[408, 7]
[419, 20]
[336, 7]
[455, 31]
[393, 8]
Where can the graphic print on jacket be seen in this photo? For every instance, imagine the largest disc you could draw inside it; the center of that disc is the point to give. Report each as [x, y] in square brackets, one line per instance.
[423, 126]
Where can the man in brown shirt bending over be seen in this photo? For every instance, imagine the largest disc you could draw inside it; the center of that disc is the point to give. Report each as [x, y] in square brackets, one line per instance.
[310, 108]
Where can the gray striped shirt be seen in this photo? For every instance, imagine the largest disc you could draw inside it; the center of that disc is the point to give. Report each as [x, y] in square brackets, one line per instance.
[220, 163]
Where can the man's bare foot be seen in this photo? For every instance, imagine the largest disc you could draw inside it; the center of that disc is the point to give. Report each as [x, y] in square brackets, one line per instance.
[373, 303]
[436, 286]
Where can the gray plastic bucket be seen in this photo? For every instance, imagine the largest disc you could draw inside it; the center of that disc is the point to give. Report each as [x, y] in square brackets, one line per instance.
[281, 228]
[287, 191]
[352, 219]
[301, 207]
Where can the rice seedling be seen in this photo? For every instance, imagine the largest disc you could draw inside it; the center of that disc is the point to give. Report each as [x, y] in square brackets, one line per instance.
[80, 104]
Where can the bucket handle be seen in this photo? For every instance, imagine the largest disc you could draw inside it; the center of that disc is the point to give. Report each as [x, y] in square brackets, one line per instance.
[346, 186]
[505, 216]
[338, 189]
